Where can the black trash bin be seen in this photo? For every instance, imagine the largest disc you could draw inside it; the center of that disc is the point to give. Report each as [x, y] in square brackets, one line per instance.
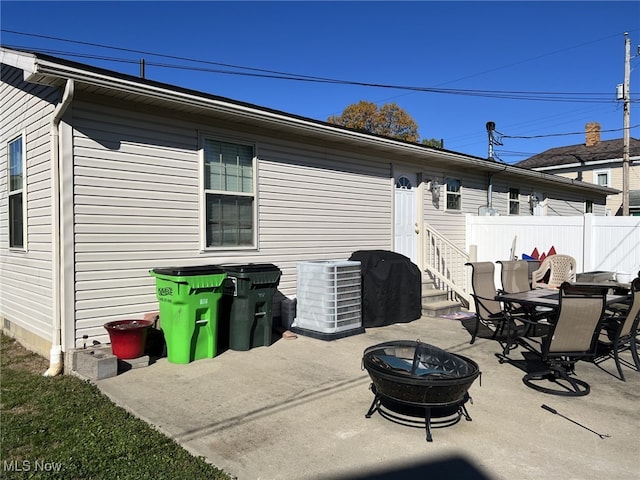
[391, 288]
[248, 305]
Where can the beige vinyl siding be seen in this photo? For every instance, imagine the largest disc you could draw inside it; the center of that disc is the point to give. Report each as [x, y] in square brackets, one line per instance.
[135, 208]
[25, 276]
[136, 201]
[451, 223]
[559, 201]
[614, 202]
[310, 208]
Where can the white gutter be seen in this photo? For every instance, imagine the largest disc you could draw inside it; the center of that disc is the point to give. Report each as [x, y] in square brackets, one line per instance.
[56, 363]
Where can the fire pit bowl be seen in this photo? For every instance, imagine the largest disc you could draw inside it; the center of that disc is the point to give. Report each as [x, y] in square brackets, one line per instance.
[416, 374]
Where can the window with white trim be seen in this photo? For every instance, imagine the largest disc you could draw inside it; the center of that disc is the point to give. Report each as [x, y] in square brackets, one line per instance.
[16, 178]
[229, 194]
[514, 201]
[588, 206]
[602, 178]
[454, 200]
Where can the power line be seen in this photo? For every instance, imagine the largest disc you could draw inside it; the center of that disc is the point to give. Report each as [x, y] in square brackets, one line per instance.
[561, 134]
[567, 97]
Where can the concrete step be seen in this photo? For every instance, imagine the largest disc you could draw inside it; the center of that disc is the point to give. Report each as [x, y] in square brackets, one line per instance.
[433, 295]
[439, 308]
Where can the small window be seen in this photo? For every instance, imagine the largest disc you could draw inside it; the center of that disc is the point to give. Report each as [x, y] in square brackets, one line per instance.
[602, 178]
[514, 201]
[16, 193]
[588, 206]
[229, 194]
[453, 194]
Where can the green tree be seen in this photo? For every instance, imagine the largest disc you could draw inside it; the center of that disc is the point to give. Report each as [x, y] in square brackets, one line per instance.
[433, 142]
[389, 120]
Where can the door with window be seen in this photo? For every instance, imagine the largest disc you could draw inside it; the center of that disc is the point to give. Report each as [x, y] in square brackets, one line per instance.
[405, 211]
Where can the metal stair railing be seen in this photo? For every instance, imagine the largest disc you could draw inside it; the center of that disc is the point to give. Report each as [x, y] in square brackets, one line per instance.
[445, 263]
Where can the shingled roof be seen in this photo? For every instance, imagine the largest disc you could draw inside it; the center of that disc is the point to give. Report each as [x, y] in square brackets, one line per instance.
[603, 150]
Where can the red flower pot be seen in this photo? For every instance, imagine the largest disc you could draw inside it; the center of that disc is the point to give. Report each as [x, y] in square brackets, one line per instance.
[128, 337]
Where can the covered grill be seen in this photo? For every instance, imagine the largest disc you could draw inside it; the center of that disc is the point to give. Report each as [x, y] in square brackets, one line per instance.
[391, 288]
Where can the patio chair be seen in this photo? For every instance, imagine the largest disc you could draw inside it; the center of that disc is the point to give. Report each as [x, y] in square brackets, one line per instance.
[619, 332]
[573, 335]
[515, 278]
[561, 268]
[514, 275]
[491, 312]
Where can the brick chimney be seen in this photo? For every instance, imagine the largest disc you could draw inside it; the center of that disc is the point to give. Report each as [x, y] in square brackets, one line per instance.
[592, 131]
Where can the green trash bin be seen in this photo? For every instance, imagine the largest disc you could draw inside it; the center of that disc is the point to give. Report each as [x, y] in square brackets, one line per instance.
[248, 297]
[189, 300]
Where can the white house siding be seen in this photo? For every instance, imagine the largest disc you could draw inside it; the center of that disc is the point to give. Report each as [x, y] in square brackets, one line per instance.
[25, 277]
[136, 208]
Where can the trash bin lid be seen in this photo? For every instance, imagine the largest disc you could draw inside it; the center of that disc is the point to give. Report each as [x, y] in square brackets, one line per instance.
[251, 268]
[190, 271]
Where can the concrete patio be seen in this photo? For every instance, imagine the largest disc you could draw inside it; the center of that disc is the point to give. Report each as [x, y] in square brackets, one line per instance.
[296, 410]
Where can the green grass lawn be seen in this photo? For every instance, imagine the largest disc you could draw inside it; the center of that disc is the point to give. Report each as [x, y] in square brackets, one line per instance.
[64, 427]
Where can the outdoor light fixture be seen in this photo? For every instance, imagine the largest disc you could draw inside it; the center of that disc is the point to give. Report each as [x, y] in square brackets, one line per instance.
[435, 189]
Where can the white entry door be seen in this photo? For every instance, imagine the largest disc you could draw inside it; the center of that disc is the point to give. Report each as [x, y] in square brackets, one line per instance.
[405, 218]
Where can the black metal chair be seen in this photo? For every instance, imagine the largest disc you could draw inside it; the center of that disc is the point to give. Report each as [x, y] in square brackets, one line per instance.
[619, 332]
[572, 337]
[491, 312]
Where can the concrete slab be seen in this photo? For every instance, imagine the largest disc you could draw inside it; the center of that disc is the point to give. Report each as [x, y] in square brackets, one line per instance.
[296, 410]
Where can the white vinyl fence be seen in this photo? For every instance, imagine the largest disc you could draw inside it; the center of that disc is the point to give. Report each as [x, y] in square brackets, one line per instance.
[597, 243]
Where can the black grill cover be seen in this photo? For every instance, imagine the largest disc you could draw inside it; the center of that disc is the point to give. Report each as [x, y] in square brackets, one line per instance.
[391, 288]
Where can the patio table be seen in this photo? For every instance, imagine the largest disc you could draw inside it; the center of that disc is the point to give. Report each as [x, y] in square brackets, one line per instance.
[546, 297]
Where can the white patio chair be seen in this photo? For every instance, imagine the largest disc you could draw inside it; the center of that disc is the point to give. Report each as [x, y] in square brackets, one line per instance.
[561, 268]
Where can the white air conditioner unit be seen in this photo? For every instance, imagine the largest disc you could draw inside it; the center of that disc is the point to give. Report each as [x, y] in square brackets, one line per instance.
[329, 299]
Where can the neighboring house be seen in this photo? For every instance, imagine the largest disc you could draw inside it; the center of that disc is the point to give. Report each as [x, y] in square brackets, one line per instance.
[595, 161]
[104, 176]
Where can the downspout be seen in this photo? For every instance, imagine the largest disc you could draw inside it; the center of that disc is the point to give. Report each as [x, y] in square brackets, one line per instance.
[56, 363]
[490, 188]
[490, 192]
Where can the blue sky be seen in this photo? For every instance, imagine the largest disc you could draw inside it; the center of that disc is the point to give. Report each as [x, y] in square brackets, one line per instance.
[567, 48]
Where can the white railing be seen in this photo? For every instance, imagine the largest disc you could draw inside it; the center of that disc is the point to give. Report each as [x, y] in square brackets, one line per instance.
[445, 263]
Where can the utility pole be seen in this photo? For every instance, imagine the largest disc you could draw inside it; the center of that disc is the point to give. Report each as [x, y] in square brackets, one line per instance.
[625, 136]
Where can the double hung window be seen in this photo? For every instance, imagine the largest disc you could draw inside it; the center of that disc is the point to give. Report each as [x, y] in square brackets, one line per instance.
[514, 201]
[229, 194]
[16, 195]
[454, 194]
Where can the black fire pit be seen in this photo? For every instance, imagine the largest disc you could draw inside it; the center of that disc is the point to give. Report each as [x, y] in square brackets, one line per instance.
[411, 376]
